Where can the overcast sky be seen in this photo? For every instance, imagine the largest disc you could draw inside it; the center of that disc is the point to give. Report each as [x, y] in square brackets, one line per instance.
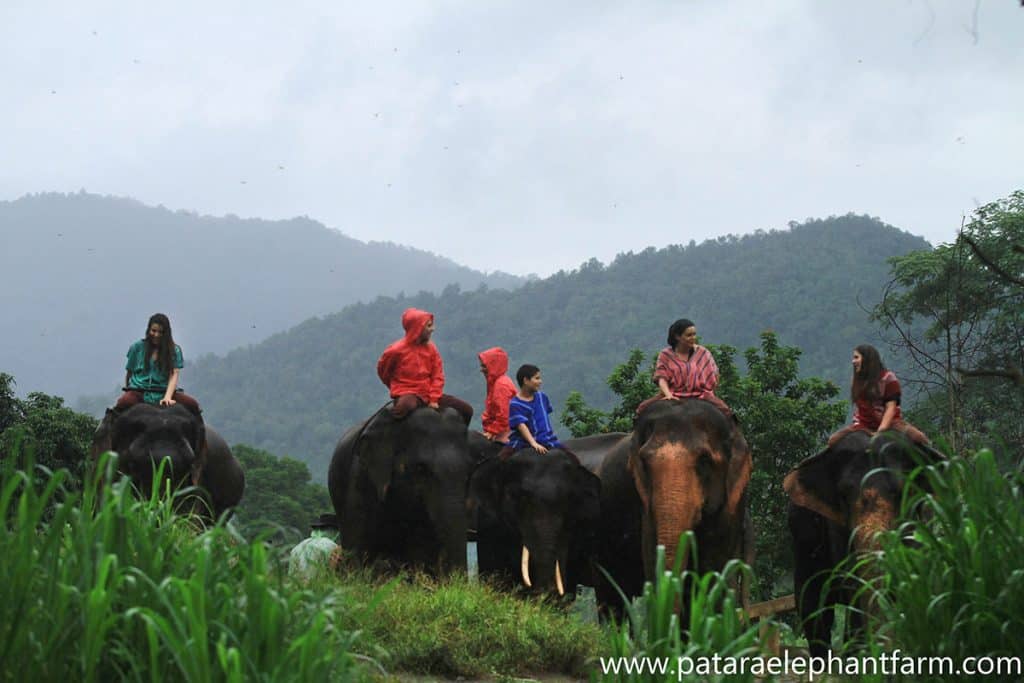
[521, 136]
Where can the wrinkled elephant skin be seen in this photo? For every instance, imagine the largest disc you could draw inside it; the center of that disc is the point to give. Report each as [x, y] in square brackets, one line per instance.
[685, 467]
[193, 453]
[537, 518]
[835, 510]
[399, 489]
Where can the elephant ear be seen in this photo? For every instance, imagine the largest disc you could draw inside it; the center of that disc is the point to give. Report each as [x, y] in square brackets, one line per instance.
[587, 490]
[201, 452]
[737, 475]
[101, 440]
[375, 448]
[814, 483]
[485, 491]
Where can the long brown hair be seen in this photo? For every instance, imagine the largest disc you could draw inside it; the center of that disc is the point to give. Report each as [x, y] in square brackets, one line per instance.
[165, 350]
[865, 383]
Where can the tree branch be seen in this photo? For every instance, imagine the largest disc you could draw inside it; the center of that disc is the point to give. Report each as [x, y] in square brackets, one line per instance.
[1013, 374]
[990, 264]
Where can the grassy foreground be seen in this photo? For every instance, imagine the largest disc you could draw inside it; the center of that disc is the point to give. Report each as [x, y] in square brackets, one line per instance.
[108, 586]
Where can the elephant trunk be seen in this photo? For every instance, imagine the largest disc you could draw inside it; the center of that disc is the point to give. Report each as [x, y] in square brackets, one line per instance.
[675, 509]
[873, 514]
[448, 518]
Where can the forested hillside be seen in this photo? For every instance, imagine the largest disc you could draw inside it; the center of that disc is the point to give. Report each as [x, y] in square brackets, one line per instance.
[80, 274]
[296, 392]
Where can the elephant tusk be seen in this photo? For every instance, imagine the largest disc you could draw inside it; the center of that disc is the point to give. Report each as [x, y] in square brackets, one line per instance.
[558, 579]
[525, 567]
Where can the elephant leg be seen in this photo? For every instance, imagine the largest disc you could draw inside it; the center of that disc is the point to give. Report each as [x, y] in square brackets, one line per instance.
[813, 564]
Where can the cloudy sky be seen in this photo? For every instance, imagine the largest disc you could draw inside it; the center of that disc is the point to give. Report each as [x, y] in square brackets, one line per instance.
[521, 136]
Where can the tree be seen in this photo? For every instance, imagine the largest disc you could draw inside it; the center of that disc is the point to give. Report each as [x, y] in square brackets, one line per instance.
[56, 436]
[279, 495]
[631, 386]
[785, 418]
[958, 312]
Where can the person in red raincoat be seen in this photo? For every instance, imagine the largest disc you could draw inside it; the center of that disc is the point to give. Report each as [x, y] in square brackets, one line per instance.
[500, 390]
[413, 372]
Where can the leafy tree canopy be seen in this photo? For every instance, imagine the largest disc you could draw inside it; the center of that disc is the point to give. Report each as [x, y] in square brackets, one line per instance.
[958, 312]
[280, 497]
[42, 425]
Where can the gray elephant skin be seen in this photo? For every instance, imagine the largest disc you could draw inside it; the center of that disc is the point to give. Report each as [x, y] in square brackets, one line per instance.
[836, 510]
[683, 468]
[399, 489]
[145, 434]
[537, 519]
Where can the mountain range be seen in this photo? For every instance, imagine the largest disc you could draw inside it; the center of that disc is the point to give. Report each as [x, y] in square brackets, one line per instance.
[80, 274]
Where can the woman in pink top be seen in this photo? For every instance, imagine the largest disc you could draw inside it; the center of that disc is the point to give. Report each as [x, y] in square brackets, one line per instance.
[875, 393]
[685, 369]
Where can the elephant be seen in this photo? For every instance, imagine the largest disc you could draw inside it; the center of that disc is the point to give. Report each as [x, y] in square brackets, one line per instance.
[195, 454]
[839, 500]
[399, 488]
[536, 518]
[684, 467]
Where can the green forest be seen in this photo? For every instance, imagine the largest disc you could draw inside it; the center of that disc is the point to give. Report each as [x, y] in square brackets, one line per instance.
[813, 284]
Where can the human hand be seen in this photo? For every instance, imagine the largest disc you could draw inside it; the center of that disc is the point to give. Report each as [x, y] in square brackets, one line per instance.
[540, 449]
[433, 404]
[167, 401]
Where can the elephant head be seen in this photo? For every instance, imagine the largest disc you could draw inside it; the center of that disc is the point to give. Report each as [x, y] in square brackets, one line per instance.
[840, 499]
[399, 488]
[691, 467]
[857, 484]
[537, 518]
[146, 435]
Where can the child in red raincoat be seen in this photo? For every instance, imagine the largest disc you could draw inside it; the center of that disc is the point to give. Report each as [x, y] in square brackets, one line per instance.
[413, 372]
[500, 390]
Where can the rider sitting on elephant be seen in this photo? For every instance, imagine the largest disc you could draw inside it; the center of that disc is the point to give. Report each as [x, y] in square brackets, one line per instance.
[500, 390]
[875, 393]
[528, 415]
[685, 369]
[154, 368]
[412, 369]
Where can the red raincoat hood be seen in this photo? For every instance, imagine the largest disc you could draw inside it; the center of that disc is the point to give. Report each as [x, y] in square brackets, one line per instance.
[413, 321]
[496, 362]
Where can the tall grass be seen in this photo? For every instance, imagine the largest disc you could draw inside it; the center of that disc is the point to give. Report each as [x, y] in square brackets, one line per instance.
[714, 624]
[953, 585]
[102, 585]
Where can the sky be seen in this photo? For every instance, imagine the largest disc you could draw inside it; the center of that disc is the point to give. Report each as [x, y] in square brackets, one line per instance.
[522, 136]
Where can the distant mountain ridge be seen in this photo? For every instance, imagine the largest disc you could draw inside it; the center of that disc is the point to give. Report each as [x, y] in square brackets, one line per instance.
[297, 391]
[81, 273]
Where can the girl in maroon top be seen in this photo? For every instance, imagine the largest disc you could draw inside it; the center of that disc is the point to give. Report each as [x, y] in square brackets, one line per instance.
[875, 393]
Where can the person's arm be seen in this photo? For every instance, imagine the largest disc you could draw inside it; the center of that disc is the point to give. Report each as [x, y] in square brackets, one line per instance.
[711, 381]
[890, 411]
[503, 393]
[436, 378]
[172, 384]
[524, 432]
[386, 366]
[496, 415]
[663, 385]
[891, 396]
[127, 378]
[661, 372]
[705, 372]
